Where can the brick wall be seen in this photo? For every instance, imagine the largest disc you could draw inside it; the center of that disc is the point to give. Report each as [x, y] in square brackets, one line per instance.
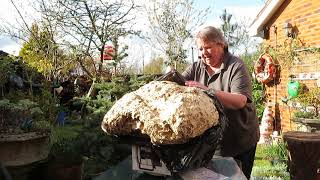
[306, 70]
[304, 15]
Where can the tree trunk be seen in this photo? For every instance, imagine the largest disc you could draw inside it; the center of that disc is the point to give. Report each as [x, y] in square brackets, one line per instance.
[2, 93]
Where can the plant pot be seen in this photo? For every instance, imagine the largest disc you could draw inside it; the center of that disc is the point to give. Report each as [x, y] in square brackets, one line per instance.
[312, 125]
[24, 148]
[65, 170]
[19, 152]
[304, 154]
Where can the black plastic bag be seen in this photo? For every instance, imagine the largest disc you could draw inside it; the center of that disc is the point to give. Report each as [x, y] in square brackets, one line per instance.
[198, 151]
[173, 76]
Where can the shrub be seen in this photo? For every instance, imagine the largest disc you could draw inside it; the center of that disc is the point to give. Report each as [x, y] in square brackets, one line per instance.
[310, 98]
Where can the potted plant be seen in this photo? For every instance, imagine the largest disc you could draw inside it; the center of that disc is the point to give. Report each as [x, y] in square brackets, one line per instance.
[23, 141]
[20, 140]
[309, 115]
[65, 160]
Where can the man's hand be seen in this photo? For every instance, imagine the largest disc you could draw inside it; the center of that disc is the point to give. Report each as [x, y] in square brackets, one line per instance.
[227, 99]
[196, 84]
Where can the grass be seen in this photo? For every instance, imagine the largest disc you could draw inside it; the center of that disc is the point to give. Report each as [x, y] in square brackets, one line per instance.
[64, 132]
[264, 169]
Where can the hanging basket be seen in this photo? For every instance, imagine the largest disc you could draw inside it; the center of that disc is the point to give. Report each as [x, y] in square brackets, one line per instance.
[265, 69]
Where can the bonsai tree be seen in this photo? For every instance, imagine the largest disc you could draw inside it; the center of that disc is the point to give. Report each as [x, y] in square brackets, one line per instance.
[18, 116]
[309, 98]
[26, 101]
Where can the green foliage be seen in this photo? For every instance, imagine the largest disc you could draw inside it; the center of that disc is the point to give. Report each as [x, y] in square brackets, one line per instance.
[118, 54]
[285, 53]
[48, 104]
[181, 66]
[277, 171]
[35, 52]
[42, 125]
[19, 115]
[11, 66]
[119, 86]
[258, 98]
[257, 88]
[42, 53]
[67, 151]
[64, 133]
[24, 106]
[158, 65]
[86, 141]
[236, 33]
[19, 107]
[138, 81]
[311, 98]
[108, 92]
[229, 29]
[64, 144]
[275, 151]
[305, 114]
[264, 168]
[6, 69]
[99, 149]
[155, 66]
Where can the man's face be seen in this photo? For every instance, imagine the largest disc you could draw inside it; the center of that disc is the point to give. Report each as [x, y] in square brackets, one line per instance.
[211, 52]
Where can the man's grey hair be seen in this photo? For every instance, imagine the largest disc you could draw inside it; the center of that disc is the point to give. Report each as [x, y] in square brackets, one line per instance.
[212, 34]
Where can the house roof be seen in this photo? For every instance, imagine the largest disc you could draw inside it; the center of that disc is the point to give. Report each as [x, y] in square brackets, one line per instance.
[268, 10]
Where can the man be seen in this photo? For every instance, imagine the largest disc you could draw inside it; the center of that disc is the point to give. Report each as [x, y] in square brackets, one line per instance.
[226, 75]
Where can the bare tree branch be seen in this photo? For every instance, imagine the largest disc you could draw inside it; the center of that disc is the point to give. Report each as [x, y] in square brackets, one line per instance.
[171, 23]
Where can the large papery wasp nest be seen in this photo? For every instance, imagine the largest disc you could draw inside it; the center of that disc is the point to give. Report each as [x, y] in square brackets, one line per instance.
[165, 111]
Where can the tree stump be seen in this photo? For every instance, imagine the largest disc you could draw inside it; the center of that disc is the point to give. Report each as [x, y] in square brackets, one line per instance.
[304, 154]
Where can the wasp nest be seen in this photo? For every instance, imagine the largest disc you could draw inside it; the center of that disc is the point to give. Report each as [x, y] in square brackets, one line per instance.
[168, 113]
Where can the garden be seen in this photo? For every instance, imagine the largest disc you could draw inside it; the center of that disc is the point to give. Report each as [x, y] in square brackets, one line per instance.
[75, 63]
[67, 135]
[73, 143]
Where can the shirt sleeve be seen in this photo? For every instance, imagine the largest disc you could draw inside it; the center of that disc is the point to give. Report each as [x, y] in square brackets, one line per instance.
[188, 74]
[241, 82]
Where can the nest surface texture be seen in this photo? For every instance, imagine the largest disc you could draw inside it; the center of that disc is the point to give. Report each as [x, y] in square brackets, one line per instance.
[165, 111]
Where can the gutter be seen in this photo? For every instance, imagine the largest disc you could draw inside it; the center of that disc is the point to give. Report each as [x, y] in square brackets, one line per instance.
[257, 26]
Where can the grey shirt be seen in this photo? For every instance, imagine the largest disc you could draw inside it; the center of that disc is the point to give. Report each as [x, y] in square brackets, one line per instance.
[242, 132]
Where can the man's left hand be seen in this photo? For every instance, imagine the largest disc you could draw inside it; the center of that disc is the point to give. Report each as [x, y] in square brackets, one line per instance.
[196, 84]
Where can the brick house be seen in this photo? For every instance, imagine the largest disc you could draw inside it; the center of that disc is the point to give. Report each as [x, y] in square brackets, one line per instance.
[281, 22]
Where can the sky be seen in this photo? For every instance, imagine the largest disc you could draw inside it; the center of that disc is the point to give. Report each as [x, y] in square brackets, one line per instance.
[242, 10]
[9, 14]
